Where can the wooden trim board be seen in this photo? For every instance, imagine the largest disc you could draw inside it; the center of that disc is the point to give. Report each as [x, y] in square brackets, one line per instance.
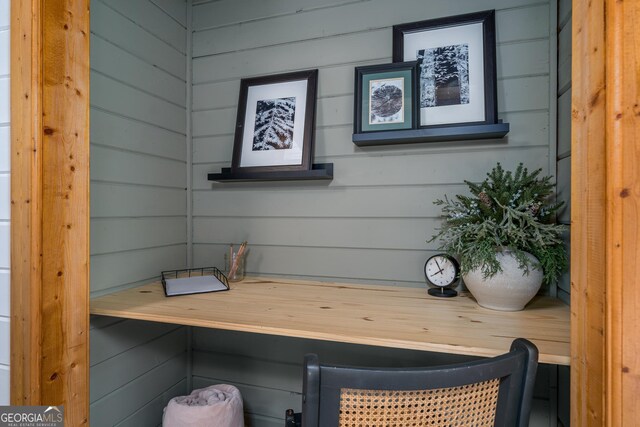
[605, 293]
[387, 316]
[623, 202]
[50, 205]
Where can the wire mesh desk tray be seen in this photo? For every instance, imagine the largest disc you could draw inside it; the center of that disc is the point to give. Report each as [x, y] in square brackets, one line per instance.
[193, 281]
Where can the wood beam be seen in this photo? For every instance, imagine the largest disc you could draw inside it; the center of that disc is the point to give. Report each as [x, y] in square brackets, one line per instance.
[50, 205]
[605, 293]
[588, 204]
[623, 212]
[26, 197]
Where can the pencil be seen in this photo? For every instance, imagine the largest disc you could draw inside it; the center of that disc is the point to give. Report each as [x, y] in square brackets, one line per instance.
[236, 261]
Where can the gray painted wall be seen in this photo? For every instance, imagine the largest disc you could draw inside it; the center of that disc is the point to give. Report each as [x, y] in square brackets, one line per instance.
[138, 200]
[5, 201]
[371, 222]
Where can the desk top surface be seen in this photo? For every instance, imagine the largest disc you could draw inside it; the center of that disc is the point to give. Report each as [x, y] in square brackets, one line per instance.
[387, 316]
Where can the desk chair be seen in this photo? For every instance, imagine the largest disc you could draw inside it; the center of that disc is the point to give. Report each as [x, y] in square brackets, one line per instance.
[489, 392]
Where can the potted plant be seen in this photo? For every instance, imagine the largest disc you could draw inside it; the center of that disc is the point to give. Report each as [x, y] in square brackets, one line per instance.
[505, 236]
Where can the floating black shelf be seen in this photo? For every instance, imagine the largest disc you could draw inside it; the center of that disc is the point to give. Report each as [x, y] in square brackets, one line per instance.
[319, 171]
[450, 133]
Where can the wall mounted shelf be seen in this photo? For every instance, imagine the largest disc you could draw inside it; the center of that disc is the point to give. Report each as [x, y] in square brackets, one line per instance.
[319, 171]
[450, 133]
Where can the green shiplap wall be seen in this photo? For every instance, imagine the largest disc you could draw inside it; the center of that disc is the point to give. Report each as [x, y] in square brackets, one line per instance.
[138, 200]
[371, 223]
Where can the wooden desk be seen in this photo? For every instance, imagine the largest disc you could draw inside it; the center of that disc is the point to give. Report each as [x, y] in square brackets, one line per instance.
[384, 316]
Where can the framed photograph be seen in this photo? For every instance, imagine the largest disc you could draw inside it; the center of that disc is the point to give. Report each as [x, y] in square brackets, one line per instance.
[456, 66]
[385, 97]
[274, 128]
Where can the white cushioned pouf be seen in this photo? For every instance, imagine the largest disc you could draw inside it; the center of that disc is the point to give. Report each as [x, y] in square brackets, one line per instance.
[214, 406]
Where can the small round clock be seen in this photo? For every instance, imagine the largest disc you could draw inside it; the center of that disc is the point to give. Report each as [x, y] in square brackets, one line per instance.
[442, 272]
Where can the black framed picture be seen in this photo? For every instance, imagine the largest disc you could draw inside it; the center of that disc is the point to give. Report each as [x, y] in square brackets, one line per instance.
[456, 66]
[385, 97]
[274, 127]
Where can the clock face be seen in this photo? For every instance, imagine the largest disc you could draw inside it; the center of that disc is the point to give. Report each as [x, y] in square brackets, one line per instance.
[441, 270]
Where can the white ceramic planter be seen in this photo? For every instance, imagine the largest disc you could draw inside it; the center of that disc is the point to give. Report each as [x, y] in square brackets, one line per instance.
[509, 290]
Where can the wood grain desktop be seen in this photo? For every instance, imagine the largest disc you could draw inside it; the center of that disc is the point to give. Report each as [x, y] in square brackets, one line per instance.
[387, 316]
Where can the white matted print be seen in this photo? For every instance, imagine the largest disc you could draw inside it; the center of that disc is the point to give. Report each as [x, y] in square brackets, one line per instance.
[451, 73]
[274, 124]
[386, 101]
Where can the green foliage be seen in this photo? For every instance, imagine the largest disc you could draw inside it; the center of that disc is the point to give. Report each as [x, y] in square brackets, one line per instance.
[507, 210]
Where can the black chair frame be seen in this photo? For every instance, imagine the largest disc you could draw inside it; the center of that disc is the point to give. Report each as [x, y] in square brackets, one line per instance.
[322, 384]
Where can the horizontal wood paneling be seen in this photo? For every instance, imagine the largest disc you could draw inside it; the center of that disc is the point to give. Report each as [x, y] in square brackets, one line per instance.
[337, 111]
[357, 202]
[128, 399]
[5, 196]
[438, 168]
[119, 200]
[4, 341]
[564, 12]
[150, 415]
[316, 232]
[121, 65]
[5, 84]
[125, 358]
[222, 13]
[528, 128]
[115, 234]
[4, 293]
[177, 9]
[138, 200]
[4, 385]
[114, 130]
[330, 22]
[123, 32]
[117, 166]
[564, 188]
[275, 59]
[117, 371]
[111, 337]
[564, 124]
[5, 8]
[4, 50]
[5, 147]
[564, 58]
[5, 233]
[154, 20]
[257, 400]
[372, 265]
[112, 270]
[110, 95]
[371, 222]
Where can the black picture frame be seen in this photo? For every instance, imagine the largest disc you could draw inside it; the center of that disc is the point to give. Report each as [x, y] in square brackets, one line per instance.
[472, 36]
[261, 146]
[399, 101]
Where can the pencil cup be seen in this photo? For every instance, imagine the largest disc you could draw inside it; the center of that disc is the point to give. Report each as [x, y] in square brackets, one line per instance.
[234, 267]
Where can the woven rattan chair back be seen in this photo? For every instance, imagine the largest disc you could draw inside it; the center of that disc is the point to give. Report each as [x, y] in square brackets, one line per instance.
[485, 393]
